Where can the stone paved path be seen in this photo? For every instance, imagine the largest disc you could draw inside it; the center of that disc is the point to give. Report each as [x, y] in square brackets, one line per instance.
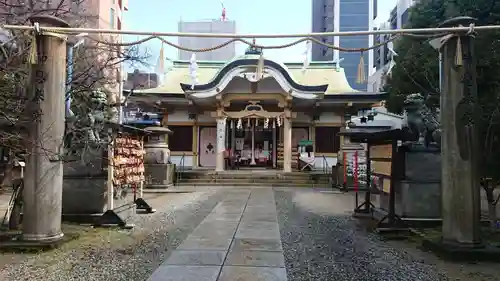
[238, 240]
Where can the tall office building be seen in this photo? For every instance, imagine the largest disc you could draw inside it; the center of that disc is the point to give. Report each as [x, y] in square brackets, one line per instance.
[208, 26]
[345, 15]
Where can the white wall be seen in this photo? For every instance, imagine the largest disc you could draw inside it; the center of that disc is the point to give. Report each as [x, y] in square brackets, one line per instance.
[178, 116]
[329, 117]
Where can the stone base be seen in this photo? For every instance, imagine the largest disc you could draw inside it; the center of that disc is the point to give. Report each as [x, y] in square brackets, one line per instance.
[157, 186]
[457, 252]
[393, 233]
[81, 218]
[159, 175]
[12, 242]
[415, 222]
[143, 206]
[110, 218]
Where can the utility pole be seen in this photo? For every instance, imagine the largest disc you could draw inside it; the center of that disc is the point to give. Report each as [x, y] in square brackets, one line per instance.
[42, 194]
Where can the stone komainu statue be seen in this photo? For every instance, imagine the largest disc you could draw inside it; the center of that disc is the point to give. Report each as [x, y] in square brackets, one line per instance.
[422, 122]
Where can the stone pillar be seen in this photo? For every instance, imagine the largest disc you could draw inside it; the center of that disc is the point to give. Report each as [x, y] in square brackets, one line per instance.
[43, 182]
[221, 131]
[287, 144]
[460, 178]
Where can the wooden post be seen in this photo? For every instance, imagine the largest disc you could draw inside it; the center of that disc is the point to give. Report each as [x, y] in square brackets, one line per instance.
[368, 178]
[459, 143]
[391, 216]
[43, 182]
[110, 188]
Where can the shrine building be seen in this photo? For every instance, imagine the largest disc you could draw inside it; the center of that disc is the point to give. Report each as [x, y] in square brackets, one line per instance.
[256, 108]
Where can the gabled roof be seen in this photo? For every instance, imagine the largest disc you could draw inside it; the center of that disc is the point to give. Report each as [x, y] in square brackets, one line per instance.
[252, 62]
[319, 76]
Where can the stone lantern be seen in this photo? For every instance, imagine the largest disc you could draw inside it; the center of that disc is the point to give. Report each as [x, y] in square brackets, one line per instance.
[159, 172]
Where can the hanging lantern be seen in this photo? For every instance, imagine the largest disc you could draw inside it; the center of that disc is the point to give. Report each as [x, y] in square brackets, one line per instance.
[256, 122]
[278, 121]
[266, 123]
[248, 123]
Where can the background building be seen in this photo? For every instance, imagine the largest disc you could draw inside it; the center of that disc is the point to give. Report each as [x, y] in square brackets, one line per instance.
[345, 15]
[141, 80]
[400, 13]
[397, 19]
[208, 26]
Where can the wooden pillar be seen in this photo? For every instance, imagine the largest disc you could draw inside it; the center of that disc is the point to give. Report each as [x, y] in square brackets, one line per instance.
[459, 143]
[233, 137]
[195, 148]
[221, 131]
[287, 144]
[43, 183]
[275, 145]
[252, 127]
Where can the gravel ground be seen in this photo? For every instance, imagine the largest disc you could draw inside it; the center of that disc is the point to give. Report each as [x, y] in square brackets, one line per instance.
[104, 254]
[321, 242]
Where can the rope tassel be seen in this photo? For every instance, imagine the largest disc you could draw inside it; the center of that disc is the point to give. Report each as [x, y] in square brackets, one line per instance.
[33, 55]
[458, 52]
[361, 79]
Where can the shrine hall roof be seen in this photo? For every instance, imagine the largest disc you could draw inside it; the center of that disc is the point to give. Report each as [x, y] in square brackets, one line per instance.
[319, 75]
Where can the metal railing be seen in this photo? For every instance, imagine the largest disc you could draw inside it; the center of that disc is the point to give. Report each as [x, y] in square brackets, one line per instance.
[179, 171]
[326, 171]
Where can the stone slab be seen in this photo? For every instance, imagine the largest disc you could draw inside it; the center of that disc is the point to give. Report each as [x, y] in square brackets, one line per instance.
[248, 244]
[252, 217]
[224, 217]
[206, 243]
[255, 258]
[233, 273]
[179, 257]
[216, 227]
[208, 232]
[185, 273]
[229, 209]
[258, 230]
[259, 225]
[260, 211]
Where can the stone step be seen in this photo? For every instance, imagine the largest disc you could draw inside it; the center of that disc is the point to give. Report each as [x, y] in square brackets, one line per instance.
[262, 181]
[253, 177]
[226, 184]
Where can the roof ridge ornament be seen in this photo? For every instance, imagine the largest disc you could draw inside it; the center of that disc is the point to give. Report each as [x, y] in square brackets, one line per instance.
[254, 49]
[193, 71]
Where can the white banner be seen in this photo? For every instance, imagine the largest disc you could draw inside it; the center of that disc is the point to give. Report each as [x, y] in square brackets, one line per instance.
[221, 132]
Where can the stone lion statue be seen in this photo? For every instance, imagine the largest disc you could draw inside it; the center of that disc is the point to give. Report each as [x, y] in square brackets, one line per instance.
[422, 122]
